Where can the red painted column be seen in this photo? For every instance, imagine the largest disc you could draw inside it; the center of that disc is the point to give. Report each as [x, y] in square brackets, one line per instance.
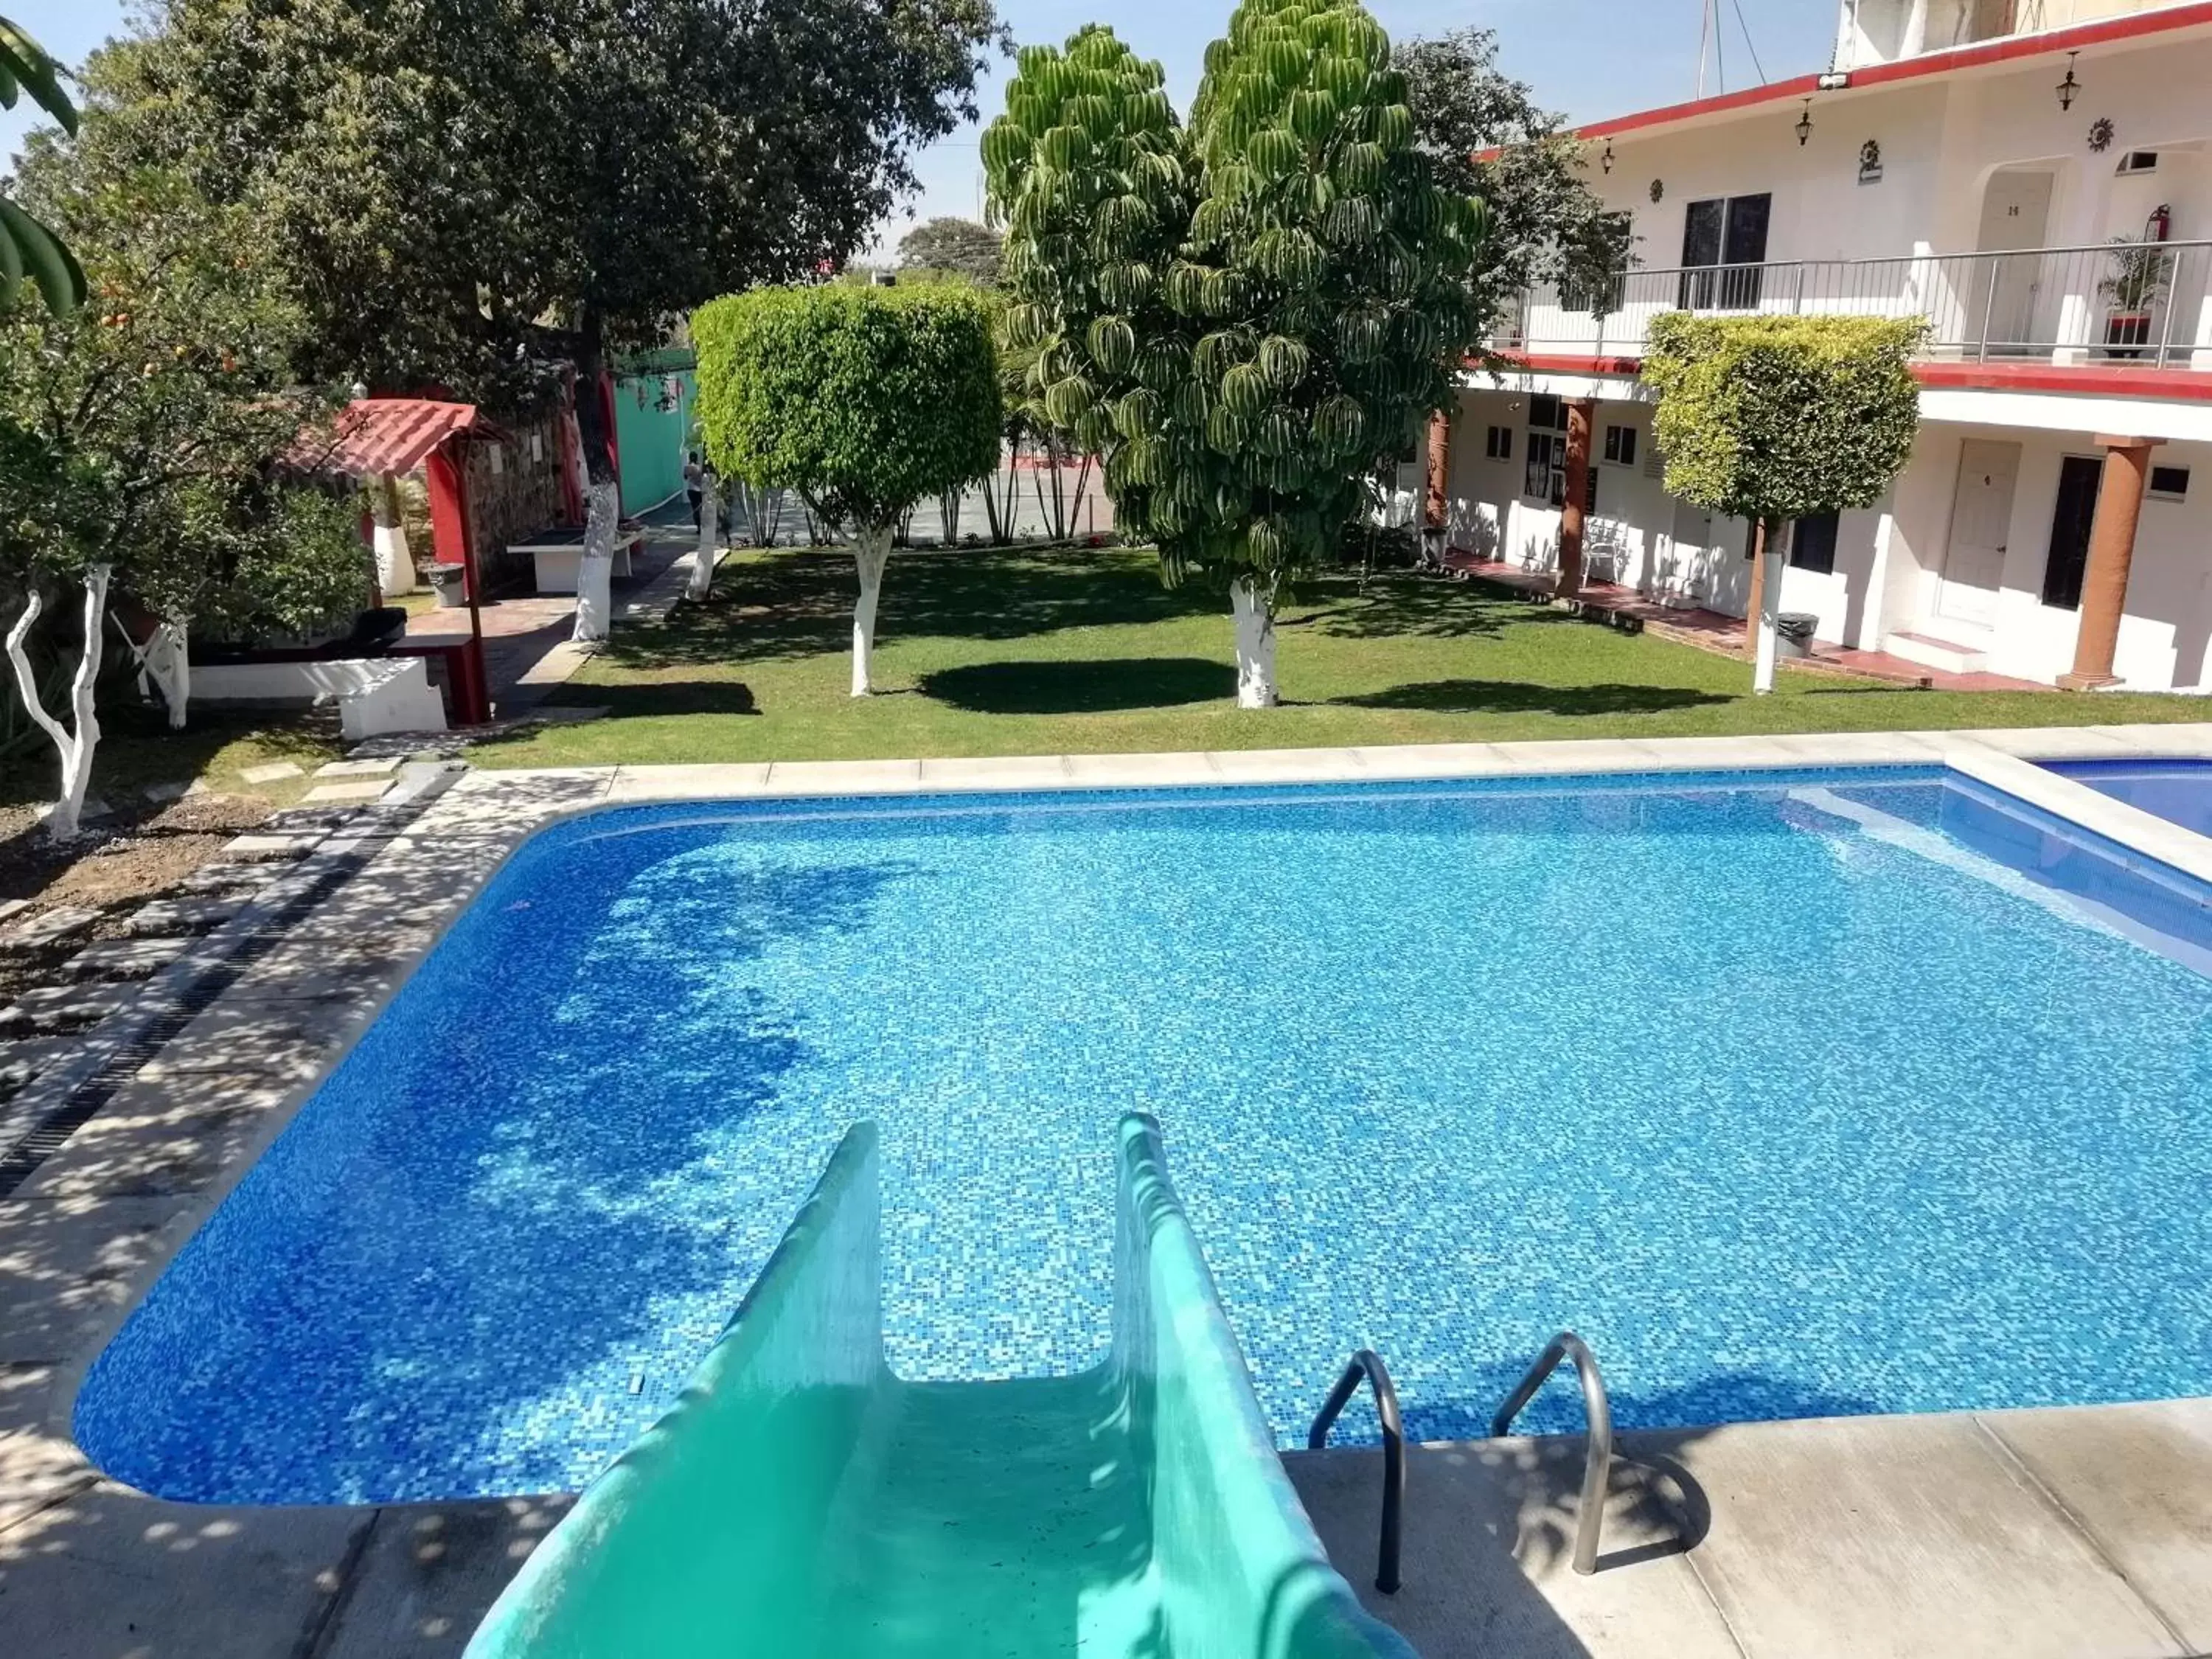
[1435, 516]
[2111, 551]
[1580, 413]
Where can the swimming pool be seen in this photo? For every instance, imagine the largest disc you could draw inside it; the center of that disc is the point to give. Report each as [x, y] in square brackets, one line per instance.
[2179, 791]
[1814, 1092]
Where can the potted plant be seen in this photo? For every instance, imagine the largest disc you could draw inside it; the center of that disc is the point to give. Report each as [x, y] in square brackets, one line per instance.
[2140, 273]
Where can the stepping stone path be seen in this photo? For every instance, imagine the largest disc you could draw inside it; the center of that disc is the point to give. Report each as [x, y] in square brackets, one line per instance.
[108, 978]
[323, 792]
[194, 914]
[166, 792]
[47, 929]
[124, 958]
[66, 1007]
[359, 769]
[247, 849]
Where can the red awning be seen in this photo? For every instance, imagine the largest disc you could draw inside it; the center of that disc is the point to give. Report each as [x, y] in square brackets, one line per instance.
[377, 435]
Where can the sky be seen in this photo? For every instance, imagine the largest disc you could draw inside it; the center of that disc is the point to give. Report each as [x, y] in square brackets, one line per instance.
[1587, 59]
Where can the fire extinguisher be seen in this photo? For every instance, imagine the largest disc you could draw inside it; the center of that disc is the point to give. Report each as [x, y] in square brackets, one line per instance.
[2160, 225]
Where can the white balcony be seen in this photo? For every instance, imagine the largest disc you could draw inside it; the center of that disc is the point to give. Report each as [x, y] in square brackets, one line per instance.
[2133, 305]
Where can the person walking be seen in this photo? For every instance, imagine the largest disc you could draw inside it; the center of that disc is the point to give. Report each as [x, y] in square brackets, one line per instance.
[695, 485]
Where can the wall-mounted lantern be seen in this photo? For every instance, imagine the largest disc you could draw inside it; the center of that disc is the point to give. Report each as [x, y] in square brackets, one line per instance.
[1605, 160]
[1805, 124]
[2069, 88]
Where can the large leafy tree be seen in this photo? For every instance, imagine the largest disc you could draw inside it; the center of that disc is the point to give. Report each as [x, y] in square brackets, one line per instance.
[472, 195]
[1486, 135]
[864, 400]
[1241, 313]
[144, 441]
[959, 246]
[1774, 418]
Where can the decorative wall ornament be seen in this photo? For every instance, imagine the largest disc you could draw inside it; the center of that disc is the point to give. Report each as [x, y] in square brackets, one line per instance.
[1870, 162]
[2100, 134]
[1658, 189]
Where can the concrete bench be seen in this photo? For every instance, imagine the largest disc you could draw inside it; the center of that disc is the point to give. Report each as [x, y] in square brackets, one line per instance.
[375, 694]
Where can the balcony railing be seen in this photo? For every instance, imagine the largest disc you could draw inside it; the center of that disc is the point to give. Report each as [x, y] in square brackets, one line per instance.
[2147, 305]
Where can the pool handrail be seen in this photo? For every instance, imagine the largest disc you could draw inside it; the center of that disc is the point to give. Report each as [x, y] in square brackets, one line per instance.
[1369, 1364]
[1597, 1465]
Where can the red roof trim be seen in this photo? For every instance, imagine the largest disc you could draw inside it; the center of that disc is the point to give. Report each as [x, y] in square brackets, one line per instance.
[2090, 379]
[2163, 384]
[2104, 32]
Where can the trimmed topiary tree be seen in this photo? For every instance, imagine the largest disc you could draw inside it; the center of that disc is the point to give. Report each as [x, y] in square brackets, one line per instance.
[863, 400]
[1242, 314]
[1774, 418]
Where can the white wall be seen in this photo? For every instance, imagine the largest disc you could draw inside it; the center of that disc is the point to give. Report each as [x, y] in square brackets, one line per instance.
[1941, 138]
[1888, 559]
[2163, 632]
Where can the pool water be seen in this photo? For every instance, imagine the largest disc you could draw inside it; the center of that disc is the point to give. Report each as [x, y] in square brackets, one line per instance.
[2179, 791]
[1826, 1092]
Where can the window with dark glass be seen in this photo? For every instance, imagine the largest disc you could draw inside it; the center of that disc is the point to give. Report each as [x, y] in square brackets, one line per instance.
[1813, 543]
[1546, 413]
[1620, 444]
[2170, 481]
[2070, 523]
[1498, 443]
[1729, 232]
[1546, 469]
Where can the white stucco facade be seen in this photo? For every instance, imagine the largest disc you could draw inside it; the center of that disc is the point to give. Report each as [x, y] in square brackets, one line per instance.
[1981, 203]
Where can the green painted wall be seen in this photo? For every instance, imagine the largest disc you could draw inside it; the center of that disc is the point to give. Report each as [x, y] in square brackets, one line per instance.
[651, 436]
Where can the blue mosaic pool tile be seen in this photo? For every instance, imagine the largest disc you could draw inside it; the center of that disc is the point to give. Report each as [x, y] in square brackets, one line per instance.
[1785, 1114]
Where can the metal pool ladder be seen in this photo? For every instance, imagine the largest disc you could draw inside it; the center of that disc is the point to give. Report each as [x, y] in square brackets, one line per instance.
[1597, 1467]
[1368, 1364]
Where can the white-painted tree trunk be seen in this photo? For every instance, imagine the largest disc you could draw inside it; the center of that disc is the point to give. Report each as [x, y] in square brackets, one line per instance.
[1770, 610]
[872, 551]
[1255, 614]
[710, 540]
[595, 570]
[168, 669]
[395, 560]
[75, 746]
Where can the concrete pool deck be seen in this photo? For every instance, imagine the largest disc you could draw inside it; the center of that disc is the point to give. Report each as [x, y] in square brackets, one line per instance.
[2077, 1531]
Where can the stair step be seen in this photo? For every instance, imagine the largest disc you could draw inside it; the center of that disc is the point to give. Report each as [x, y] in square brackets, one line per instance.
[1952, 656]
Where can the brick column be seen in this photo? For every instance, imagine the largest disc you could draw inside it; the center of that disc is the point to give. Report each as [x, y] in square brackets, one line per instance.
[1579, 413]
[2111, 550]
[1436, 510]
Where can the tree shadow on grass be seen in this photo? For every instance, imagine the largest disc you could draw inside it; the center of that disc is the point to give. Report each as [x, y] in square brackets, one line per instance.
[789, 604]
[1519, 697]
[1408, 606]
[1080, 688]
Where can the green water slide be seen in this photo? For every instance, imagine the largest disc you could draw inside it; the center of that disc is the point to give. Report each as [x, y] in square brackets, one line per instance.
[801, 1501]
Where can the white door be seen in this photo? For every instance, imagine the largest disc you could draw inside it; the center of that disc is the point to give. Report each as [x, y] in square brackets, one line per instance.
[2015, 213]
[1981, 521]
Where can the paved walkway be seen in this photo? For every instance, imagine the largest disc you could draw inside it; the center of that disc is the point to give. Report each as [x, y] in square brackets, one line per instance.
[528, 653]
[2083, 1533]
[1714, 631]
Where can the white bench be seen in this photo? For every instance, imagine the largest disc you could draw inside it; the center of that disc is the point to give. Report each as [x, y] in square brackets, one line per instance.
[375, 694]
[557, 559]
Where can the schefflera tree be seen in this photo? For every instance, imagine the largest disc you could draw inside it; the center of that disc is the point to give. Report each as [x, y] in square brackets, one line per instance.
[863, 400]
[1774, 418]
[1242, 313]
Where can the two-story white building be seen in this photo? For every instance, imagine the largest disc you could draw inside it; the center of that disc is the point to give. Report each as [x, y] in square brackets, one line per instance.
[2034, 177]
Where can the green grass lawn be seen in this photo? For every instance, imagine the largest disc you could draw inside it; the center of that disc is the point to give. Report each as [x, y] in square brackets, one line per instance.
[1061, 653]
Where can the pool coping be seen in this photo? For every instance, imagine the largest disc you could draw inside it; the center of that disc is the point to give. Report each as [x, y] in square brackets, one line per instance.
[331, 977]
